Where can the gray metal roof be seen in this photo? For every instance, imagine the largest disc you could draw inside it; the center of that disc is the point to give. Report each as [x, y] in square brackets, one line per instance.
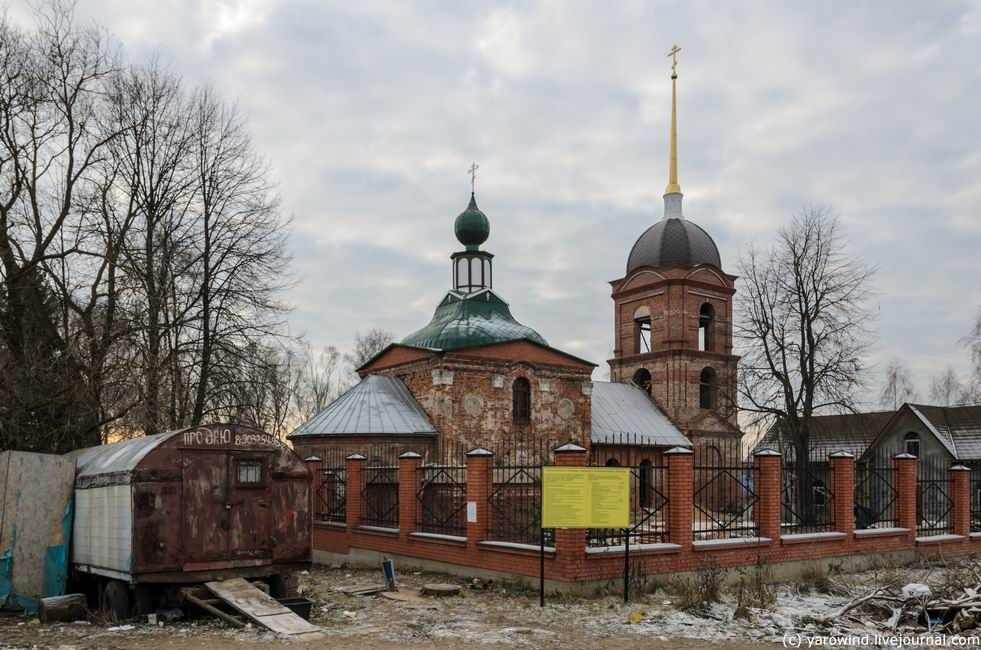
[957, 427]
[850, 432]
[113, 463]
[673, 241]
[376, 405]
[623, 413]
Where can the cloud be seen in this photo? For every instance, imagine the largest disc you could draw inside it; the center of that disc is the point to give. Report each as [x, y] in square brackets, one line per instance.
[371, 112]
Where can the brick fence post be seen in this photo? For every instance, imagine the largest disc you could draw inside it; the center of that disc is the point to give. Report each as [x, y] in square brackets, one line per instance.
[767, 464]
[353, 484]
[906, 491]
[681, 478]
[315, 466]
[570, 543]
[409, 463]
[480, 483]
[960, 509]
[843, 490]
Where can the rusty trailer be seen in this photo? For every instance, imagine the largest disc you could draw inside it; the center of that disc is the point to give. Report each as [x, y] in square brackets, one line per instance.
[205, 503]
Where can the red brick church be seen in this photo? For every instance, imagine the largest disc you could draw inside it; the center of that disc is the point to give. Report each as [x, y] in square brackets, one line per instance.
[476, 377]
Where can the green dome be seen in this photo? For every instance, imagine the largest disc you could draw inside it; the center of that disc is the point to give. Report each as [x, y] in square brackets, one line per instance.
[468, 320]
[471, 226]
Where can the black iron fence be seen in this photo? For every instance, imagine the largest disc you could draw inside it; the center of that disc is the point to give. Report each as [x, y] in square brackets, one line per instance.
[933, 497]
[442, 498]
[723, 492]
[515, 504]
[380, 488]
[975, 487]
[806, 498]
[876, 494]
[648, 510]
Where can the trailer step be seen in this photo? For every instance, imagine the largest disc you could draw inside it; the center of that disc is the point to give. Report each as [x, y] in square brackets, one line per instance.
[261, 608]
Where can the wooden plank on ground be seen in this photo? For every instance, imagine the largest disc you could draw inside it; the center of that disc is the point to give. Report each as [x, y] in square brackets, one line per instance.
[262, 608]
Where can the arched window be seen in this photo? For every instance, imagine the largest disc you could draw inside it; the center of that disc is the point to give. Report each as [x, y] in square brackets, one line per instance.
[646, 483]
[710, 456]
[613, 462]
[642, 330]
[643, 379]
[911, 443]
[707, 381]
[521, 401]
[706, 329]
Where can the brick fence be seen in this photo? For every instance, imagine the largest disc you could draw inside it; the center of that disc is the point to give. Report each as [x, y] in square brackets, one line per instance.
[570, 561]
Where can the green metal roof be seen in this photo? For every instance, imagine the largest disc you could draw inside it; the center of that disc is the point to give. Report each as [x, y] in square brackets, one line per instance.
[465, 320]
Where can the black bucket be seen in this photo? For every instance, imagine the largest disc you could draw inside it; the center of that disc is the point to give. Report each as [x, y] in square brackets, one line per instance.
[299, 605]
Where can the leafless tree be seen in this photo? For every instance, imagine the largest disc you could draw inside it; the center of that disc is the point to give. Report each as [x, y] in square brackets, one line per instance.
[321, 380]
[52, 94]
[368, 344]
[803, 329]
[947, 389]
[897, 386]
[972, 387]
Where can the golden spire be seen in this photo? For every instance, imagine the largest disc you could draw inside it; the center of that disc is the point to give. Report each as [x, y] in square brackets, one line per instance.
[673, 186]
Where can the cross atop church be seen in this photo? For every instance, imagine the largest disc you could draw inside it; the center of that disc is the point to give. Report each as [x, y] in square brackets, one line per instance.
[674, 60]
[473, 175]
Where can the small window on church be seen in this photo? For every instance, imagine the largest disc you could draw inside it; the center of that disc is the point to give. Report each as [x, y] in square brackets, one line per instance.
[521, 401]
[643, 379]
[476, 274]
[706, 330]
[707, 381]
[912, 443]
[462, 280]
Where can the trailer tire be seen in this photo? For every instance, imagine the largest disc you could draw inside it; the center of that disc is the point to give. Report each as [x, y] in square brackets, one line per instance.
[115, 600]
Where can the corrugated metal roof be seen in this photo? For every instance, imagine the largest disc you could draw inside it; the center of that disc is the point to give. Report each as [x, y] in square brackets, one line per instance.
[852, 432]
[376, 405]
[623, 410]
[113, 463]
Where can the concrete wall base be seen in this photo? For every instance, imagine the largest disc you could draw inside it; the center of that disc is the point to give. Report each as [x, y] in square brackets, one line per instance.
[781, 571]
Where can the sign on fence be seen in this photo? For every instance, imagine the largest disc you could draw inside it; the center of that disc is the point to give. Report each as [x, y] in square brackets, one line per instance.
[585, 497]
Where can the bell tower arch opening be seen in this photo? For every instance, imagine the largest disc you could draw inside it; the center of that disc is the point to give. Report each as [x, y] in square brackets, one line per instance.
[706, 328]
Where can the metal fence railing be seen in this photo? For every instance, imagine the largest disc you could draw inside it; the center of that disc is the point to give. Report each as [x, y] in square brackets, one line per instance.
[332, 495]
[648, 510]
[515, 504]
[442, 500]
[380, 496]
[876, 494]
[975, 467]
[724, 501]
[806, 498]
[933, 497]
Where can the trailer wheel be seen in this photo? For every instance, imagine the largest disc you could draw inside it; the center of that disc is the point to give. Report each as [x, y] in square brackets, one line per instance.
[115, 600]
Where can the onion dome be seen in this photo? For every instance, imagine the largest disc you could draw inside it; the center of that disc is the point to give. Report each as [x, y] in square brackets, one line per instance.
[471, 226]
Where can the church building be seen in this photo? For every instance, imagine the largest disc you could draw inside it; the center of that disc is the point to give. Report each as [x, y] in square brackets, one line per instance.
[476, 377]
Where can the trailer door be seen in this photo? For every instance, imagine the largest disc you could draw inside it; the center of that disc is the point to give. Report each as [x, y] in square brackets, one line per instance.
[249, 500]
[205, 498]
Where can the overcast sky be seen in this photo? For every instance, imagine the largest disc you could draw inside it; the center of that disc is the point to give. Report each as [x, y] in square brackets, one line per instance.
[371, 112]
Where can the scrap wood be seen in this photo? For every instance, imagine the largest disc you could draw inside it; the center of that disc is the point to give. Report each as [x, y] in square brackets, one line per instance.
[362, 590]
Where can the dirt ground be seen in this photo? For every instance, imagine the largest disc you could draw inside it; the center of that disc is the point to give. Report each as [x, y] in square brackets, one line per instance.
[484, 616]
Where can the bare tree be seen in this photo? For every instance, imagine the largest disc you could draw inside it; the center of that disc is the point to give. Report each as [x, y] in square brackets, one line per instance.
[972, 387]
[947, 389]
[803, 328]
[367, 345]
[321, 380]
[52, 94]
[897, 386]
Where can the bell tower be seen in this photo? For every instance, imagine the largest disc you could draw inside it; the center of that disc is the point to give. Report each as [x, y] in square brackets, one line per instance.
[673, 315]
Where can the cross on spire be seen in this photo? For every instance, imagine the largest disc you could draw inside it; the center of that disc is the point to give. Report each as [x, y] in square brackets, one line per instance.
[473, 175]
[674, 60]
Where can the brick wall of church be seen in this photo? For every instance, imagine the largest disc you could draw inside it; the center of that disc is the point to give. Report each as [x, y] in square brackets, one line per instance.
[469, 399]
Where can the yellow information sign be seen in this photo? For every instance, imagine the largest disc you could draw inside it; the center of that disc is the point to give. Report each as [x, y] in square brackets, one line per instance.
[586, 497]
